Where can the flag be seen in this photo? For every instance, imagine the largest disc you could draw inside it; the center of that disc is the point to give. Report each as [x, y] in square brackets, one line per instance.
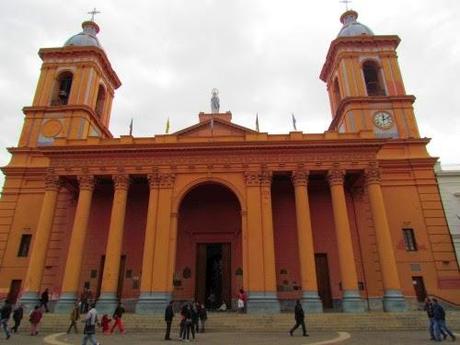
[294, 122]
[167, 126]
[131, 127]
[257, 122]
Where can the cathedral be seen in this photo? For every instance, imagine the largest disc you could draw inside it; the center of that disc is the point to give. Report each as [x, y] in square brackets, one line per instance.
[348, 220]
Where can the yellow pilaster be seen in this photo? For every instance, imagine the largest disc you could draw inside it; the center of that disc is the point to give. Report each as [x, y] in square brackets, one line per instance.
[267, 226]
[304, 232]
[78, 237]
[255, 259]
[149, 240]
[115, 239]
[36, 265]
[343, 233]
[382, 231]
[161, 281]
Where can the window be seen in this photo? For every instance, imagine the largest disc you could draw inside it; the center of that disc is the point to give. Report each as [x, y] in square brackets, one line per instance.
[100, 101]
[373, 80]
[336, 91]
[24, 245]
[62, 91]
[409, 240]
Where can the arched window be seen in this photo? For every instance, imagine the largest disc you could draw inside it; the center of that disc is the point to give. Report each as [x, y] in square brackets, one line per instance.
[373, 79]
[100, 100]
[62, 89]
[336, 92]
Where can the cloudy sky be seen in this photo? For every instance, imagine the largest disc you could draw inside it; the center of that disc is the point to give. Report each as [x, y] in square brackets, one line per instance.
[264, 56]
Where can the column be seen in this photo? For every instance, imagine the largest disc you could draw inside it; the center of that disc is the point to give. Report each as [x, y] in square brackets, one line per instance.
[262, 297]
[310, 298]
[271, 303]
[33, 279]
[108, 298]
[393, 300]
[162, 286]
[144, 304]
[75, 254]
[351, 301]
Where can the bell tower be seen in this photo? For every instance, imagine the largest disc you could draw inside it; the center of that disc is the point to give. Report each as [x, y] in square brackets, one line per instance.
[74, 93]
[365, 85]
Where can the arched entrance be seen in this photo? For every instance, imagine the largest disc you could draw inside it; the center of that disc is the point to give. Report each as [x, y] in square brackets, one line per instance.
[208, 255]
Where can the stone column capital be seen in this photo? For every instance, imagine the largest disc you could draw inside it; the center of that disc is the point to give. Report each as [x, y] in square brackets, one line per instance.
[86, 182]
[52, 181]
[300, 177]
[265, 177]
[335, 177]
[252, 178]
[121, 181]
[166, 180]
[154, 180]
[372, 175]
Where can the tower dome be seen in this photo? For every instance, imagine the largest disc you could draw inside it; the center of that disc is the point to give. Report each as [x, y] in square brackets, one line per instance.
[351, 27]
[87, 37]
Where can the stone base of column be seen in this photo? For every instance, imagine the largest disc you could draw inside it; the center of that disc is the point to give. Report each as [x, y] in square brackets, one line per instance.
[394, 301]
[152, 302]
[352, 302]
[311, 302]
[263, 302]
[107, 303]
[65, 303]
[30, 300]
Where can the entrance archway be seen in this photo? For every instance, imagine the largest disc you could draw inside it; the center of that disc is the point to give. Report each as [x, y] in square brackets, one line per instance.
[208, 254]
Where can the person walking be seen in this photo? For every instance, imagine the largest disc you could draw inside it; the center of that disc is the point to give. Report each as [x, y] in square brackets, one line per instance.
[90, 326]
[187, 322]
[35, 318]
[203, 317]
[117, 315]
[5, 314]
[242, 301]
[45, 298]
[74, 317]
[169, 315]
[439, 316]
[105, 324]
[428, 307]
[85, 299]
[195, 318]
[299, 319]
[18, 314]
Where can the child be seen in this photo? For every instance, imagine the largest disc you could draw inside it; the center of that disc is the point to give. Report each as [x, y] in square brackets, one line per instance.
[105, 323]
[34, 318]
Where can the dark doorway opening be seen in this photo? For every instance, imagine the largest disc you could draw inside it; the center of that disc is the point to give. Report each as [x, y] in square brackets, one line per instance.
[322, 276]
[213, 278]
[419, 287]
[15, 288]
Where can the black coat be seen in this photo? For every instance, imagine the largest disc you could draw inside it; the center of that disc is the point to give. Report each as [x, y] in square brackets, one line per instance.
[6, 311]
[438, 312]
[169, 313]
[299, 314]
[18, 313]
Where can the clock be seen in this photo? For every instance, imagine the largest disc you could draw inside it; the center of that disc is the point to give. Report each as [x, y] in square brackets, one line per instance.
[383, 120]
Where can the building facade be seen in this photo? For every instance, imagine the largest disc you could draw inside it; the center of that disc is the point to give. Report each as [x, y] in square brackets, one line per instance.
[449, 188]
[349, 219]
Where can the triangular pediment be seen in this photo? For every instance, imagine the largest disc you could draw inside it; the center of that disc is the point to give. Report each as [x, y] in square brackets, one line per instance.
[216, 127]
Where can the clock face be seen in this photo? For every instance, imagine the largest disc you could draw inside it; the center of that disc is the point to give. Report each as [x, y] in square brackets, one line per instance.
[383, 120]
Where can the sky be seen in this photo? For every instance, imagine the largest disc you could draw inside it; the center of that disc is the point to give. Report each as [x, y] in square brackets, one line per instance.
[264, 56]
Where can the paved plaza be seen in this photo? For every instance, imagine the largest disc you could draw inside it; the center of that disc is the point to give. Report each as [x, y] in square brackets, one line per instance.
[236, 338]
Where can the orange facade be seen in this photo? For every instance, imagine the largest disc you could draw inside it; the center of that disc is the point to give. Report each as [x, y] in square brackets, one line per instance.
[349, 219]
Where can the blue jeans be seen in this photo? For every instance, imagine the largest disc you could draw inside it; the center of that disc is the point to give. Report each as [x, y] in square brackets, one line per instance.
[91, 338]
[5, 327]
[440, 327]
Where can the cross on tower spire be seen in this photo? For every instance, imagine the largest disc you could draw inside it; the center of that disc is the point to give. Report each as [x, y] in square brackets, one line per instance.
[93, 13]
[346, 2]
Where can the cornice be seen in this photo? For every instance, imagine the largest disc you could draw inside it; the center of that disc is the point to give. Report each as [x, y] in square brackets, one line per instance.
[355, 41]
[67, 108]
[74, 51]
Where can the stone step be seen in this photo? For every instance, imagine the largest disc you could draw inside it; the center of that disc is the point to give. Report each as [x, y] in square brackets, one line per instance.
[229, 322]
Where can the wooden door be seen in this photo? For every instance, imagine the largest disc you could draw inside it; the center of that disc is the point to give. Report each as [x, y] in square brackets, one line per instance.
[227, 274]
[322, 276]
[419, 287]
[101, 274]
[200, 279]
[15, 288]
